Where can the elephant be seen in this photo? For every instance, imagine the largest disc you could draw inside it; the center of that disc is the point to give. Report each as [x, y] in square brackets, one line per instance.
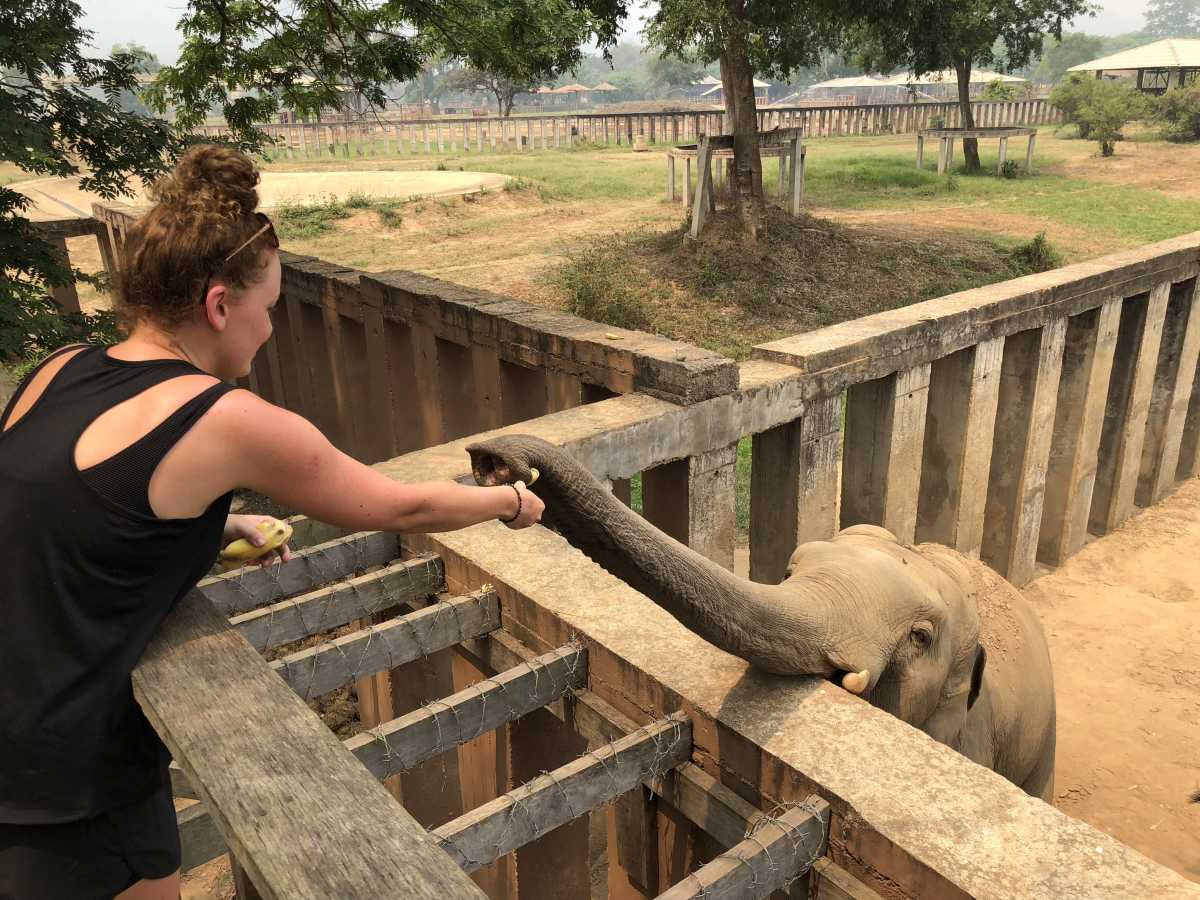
[925, 633]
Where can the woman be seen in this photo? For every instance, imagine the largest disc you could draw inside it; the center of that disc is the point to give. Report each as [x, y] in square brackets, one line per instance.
[116, 467]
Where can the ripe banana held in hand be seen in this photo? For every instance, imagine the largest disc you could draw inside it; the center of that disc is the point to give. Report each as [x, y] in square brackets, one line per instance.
[241, 551]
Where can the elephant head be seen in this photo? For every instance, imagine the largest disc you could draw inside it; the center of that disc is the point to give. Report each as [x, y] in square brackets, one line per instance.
[893, 624]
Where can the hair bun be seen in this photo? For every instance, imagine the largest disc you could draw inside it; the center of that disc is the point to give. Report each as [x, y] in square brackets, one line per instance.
[210, 181]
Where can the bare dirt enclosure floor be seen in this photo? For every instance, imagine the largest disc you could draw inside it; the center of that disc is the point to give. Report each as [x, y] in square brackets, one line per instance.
[1123, 621]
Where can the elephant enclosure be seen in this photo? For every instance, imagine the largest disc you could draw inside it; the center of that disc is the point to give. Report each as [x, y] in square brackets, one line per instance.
[1123, 621]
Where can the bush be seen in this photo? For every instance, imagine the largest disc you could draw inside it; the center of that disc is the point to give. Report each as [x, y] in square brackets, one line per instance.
[1010, 169]
[1100, 108]
[998, 89]
[1037, 255]
[307, 220]
[1070, 95]
[593, 283]
[357, 200]
[1179, 112]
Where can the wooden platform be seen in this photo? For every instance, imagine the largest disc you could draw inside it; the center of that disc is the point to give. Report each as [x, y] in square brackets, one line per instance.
[948, 136]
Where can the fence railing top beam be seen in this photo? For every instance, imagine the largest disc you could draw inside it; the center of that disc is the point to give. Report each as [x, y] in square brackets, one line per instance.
[861, 349]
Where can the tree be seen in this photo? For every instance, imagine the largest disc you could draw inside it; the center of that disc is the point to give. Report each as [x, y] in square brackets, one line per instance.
[1071, 95]
[771, 37]
[145, 63]
[1173, 18]
[504, 89]
[672, 73]
[1071, 50]
[60, 116]
[308, 54]
[1179, 111]
[960, 35]
[998, 89]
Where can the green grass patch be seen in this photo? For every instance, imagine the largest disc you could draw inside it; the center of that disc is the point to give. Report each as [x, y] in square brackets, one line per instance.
[308, 220]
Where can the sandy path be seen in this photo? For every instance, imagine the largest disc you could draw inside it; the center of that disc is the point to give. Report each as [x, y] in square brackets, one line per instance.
[1123, 620]
[57, 198]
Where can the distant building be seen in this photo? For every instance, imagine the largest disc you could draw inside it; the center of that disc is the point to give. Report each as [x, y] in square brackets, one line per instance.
[1154, 68]
[904, 87]
[712, 90]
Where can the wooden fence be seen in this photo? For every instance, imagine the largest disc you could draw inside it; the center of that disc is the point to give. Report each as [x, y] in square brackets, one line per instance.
[380, 137]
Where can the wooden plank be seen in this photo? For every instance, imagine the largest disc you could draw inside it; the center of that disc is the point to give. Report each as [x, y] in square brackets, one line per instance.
[885, 434]
[292, 805]
[198, 837]
[1021, 450]
[337, 604]
[829, 881]
[252, 586]
[497, 828]
[1130, 389]
[1171, 395]
[306, 532]
[1082, 395]
[703, 186]
[777, 852]
[441, 725]
[963, 391]
[380, 648]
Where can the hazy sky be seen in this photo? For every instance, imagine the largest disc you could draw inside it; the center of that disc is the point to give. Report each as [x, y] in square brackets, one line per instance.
[152, 22]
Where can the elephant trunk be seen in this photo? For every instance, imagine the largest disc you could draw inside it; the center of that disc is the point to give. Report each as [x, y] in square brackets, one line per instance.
[784, 631]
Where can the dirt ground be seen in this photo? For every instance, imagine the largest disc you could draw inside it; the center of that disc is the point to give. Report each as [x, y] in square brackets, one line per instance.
[1123, 620]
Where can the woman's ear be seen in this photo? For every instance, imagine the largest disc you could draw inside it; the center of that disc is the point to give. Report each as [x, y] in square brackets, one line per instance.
[216, 306]
[977, 676]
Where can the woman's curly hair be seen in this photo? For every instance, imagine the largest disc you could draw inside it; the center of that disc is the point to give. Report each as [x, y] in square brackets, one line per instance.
[203, 210]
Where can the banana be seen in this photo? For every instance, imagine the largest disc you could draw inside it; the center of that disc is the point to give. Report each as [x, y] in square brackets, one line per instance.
[241, 551]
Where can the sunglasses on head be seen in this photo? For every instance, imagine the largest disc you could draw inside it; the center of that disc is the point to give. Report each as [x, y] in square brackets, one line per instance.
[268, 228]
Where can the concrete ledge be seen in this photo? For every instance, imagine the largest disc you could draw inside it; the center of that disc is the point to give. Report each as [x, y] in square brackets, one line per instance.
[873, 346]
[621, 360]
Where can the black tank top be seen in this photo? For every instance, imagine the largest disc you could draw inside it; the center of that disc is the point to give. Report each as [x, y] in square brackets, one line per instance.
[88, 575]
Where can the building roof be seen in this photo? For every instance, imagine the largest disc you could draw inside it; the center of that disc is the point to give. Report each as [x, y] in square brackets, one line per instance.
[1172, 53]
[718, 86]
[853, 81]
[605, 86]
[706, 80]
[978, 76]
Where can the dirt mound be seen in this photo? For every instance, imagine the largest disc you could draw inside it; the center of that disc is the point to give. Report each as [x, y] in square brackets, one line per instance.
[805, 273]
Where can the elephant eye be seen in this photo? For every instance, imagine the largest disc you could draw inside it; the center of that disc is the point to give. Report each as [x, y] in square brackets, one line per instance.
[921, 636]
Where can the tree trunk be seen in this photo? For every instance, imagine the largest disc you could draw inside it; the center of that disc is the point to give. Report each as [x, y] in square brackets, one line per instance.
[970, 145]
[737, 80]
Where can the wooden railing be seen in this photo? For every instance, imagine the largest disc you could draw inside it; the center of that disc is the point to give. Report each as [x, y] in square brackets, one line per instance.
[373, 137]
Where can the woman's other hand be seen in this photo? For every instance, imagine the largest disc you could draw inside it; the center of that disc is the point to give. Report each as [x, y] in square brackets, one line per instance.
[239, 525]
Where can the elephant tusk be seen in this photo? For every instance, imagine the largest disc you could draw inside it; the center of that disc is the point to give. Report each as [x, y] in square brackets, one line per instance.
[533, 477]
[856, 682]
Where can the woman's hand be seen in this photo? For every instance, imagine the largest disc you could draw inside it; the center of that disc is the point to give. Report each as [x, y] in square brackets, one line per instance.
[530, 511]
[246, 526]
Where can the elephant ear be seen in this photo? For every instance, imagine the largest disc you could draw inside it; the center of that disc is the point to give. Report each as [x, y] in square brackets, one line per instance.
[977, 676]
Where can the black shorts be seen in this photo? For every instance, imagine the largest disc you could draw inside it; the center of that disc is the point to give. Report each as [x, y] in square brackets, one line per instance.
[92, 858]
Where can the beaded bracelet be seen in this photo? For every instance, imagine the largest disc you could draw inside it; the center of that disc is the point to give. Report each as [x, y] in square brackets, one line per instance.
[517, 514]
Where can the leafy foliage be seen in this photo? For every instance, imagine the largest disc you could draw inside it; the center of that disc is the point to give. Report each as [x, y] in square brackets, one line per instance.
[998, 89]
[1074, 48]
[1173, 18]
[61, 116]
[1036, 255]
[1010, 169]
[1100, 108]
[253, 57]
[1179, 112]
